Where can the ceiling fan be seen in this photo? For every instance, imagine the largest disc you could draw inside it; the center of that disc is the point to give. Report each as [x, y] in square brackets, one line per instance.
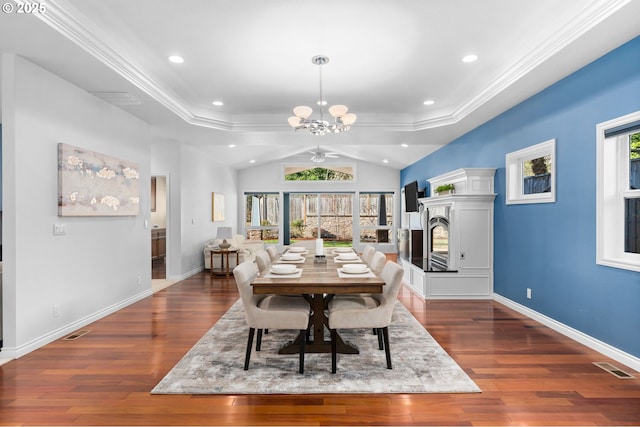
[319, 156]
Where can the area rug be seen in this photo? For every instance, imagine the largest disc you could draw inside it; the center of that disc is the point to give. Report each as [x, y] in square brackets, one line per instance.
[215, 364]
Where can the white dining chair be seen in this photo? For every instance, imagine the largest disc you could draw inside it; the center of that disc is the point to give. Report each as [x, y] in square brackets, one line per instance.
[272, 250]
[366, 312]
[367, 253]
[273, 312]
[263, 260]
[377, 262]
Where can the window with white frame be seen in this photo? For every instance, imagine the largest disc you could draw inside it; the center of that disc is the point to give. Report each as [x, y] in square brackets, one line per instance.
[531, 174]
[262, 216]
[618, 192]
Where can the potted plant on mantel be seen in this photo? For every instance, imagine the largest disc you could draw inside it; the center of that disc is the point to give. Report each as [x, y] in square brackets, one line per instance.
[443, 189]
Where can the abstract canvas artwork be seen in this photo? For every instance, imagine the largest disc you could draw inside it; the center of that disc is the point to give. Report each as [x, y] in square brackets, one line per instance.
[94, 184]
[217, 207]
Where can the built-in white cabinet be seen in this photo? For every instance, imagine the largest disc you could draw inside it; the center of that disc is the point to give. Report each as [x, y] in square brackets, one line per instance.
[468, 246]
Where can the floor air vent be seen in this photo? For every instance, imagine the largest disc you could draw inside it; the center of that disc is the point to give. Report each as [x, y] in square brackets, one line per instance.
[76, 335]
[613, 370]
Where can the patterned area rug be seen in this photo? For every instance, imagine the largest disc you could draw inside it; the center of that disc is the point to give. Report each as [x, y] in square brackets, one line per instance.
[215, 364]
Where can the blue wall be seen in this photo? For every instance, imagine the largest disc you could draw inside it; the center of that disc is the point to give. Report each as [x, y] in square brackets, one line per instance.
[551, 248]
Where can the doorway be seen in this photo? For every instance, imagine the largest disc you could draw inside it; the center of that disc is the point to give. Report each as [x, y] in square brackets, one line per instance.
[159, 223]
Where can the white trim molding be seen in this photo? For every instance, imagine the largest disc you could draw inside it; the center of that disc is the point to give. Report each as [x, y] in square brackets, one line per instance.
[587, 340]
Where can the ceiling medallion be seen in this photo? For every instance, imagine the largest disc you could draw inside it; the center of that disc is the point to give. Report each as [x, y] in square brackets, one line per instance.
[301, 120]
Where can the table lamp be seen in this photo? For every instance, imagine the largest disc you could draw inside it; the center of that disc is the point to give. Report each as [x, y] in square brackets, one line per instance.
[224, 233]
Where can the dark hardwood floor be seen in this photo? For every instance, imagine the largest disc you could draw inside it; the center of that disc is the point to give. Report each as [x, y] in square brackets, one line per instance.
[529, 374]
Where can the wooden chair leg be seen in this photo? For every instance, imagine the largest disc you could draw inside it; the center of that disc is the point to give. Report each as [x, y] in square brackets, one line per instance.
[334, 350]
[302, 339]
[259, 340]
[379, 333]
[249, 345]
[387, 351]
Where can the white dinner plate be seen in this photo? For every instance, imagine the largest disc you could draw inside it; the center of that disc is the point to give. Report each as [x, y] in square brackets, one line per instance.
[283, 269]
[346, 257]
[363, 271]
[288, 273]
[297, 249]
[291, 257]
[341, 249]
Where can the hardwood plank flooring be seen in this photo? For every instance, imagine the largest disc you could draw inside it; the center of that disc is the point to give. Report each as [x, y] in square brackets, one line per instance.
[529, 374]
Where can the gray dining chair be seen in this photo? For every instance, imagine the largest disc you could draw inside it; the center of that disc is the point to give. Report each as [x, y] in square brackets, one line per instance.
[273, 312]
[367, 253]
[263, 260]
[272, 250]
[366, 312]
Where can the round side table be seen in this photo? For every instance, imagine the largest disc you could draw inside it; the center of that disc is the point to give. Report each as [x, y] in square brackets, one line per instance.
[225, 268]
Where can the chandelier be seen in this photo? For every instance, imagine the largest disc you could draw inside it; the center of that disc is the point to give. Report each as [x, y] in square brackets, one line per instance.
[342, 119]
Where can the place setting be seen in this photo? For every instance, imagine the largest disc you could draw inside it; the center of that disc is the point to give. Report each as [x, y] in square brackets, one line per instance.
[355, 270]
[289, 271]
[347, 257]
[292, 258]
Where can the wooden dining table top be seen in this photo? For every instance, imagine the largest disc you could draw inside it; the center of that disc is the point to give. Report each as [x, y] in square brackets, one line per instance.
[317, 278]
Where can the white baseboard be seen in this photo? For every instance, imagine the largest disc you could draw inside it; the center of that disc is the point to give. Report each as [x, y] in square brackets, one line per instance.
[593, 343]
[187, 274]
[16, 352]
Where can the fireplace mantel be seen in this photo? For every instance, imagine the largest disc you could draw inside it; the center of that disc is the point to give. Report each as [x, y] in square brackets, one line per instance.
[470, 239]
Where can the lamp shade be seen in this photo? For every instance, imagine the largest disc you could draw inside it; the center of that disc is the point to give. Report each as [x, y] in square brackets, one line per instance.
[224, 233]
[349, 119]
[338, 110]
[302, 111]
[294, 121]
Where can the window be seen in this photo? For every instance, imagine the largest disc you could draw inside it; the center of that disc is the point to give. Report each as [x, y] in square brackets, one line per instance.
[618, 192]
[262, 213]
[335, 173]
[531, 174]
[376, 219]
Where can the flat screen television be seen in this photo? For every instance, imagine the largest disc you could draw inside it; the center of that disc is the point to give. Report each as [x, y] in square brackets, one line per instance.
[411, 197]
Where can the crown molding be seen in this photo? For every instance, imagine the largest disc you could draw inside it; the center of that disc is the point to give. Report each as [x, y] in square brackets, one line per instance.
[69, 22]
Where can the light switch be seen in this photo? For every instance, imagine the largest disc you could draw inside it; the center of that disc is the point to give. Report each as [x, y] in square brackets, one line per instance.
[59, 230]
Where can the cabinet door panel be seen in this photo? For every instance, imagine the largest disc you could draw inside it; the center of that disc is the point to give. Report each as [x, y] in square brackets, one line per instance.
[474, 226]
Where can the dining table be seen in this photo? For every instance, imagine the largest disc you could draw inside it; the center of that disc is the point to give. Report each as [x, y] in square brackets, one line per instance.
[318, 280]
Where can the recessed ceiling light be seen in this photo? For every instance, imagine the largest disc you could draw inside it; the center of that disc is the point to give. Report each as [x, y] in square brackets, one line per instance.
[404, 145]
[429, 102]
[252, 161]
[470, 58]
[385, 161]
[176, 59]
[218, 103]
[322, 102]
[232, 145]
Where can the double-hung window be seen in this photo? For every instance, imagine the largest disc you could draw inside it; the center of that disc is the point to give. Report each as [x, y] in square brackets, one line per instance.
[618, 192]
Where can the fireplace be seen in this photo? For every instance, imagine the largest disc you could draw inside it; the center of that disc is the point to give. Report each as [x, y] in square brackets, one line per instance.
[438, 238]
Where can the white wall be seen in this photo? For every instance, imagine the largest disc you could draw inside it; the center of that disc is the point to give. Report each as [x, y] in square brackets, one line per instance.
[369, 177]
[102, 263]
[193, 176]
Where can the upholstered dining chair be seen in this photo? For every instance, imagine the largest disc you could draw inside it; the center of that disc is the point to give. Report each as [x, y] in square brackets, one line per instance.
[367, 253]
[366, 312]
[377, 262]
[263, 260]
[272, 250]
[274, 312]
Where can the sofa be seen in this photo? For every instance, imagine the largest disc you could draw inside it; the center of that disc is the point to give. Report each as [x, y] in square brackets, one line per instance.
[246, 250]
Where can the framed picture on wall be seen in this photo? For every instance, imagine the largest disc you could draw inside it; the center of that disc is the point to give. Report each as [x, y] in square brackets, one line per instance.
[217, 207]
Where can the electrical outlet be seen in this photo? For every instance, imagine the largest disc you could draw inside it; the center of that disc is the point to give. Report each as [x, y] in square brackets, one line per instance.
[528, 293]
[56, 310]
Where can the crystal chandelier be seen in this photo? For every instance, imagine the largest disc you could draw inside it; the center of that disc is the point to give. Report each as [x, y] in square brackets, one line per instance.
[343, 119]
